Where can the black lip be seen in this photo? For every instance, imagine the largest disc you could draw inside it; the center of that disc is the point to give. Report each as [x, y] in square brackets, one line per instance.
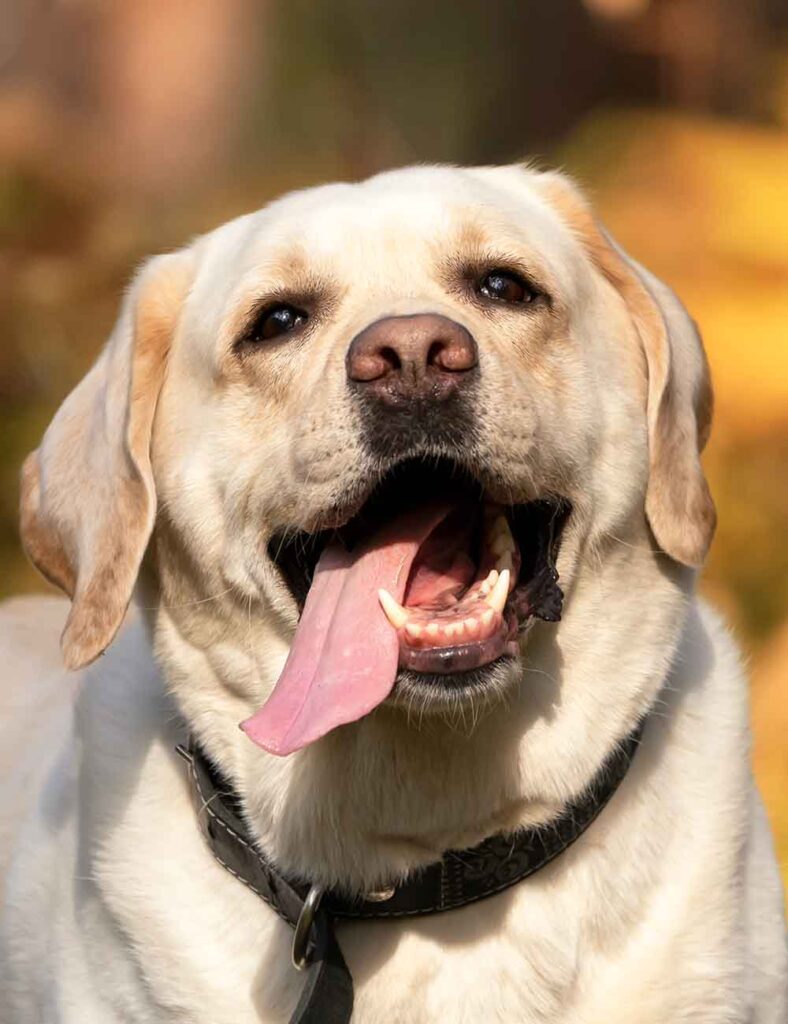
[425, 691]
[537, 525]
[542, 522]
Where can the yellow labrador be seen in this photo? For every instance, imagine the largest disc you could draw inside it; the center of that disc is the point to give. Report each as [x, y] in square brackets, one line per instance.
[406, 474]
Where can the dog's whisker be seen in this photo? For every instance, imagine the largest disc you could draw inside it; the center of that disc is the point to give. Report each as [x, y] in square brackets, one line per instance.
[185, 604]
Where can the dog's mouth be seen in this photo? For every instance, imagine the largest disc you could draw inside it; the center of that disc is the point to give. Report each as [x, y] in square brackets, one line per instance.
[481, 571]
[429, 575]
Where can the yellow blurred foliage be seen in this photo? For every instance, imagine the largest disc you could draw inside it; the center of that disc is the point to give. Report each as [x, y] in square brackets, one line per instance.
[770, 724]
[705, 205]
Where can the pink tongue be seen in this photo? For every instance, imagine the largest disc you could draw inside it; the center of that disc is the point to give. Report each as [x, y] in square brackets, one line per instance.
[343, 659]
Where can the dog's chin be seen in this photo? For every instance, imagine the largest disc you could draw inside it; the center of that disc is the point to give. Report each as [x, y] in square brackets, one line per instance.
[449, 694]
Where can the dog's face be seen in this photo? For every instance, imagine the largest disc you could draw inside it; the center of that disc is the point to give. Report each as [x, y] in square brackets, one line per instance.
[410, 411]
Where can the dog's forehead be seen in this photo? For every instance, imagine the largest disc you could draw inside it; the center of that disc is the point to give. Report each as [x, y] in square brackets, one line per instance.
[400, 217]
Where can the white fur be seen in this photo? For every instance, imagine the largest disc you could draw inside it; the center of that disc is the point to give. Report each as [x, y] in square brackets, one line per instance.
[668, 909]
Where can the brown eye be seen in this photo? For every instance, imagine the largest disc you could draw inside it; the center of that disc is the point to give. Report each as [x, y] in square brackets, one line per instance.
[505, 286]
[276, 321]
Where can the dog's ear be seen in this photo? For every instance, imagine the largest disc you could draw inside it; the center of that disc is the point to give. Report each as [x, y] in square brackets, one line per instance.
[679, 506]
[87, 495]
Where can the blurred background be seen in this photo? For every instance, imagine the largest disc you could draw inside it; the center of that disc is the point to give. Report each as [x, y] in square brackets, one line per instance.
[127, 127]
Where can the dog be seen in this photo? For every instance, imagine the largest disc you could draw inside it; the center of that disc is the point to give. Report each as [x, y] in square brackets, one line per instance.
[405, 476]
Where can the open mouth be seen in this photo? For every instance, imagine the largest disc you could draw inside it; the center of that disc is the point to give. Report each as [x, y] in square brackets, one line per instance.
[478, 577]
[430, 575]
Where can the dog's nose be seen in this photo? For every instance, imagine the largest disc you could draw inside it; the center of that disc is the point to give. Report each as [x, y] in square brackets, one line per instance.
[403, 358]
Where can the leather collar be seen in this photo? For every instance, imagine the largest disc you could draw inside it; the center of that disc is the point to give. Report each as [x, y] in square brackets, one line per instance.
[459, 878]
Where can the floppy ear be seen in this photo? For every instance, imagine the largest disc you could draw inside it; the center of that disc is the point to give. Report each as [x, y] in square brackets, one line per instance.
[87, 498]
[679, 506]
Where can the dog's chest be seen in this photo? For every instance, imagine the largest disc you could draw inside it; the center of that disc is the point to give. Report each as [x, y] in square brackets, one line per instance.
[514, 958]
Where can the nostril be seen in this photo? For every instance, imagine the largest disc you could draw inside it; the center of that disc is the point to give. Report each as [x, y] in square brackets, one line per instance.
[434, 355]
[454, 355]
[368, 361]
[392, 357]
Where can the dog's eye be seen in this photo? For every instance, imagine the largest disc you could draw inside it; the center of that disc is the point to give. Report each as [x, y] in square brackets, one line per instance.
[506, 286]
[275, 321]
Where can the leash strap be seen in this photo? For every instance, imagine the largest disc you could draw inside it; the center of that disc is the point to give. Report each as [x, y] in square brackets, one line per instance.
[461, 877]
[327, 995]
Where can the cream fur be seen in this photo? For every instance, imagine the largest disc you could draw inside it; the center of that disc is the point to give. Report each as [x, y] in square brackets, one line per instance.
[668, 909]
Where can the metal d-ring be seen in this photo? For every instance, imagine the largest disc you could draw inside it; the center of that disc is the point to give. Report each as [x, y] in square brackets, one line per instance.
[304, 927]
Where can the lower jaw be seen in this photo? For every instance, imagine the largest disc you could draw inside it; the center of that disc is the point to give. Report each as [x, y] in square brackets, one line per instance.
[475, 654]
[462, 658]
[449, 691]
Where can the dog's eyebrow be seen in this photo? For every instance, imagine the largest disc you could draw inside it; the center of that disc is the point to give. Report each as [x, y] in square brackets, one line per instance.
[472, 251]
[284, 277]
[465, 265]
[290, 264]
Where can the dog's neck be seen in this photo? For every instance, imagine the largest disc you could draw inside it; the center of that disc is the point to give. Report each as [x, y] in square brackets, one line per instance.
[376, 798]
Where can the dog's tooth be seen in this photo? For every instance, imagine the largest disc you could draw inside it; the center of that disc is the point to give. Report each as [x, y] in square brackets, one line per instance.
[394, 612]
[486, 620]
[433, 631]
[489, 583]
[454, 631]
[500, 592]
[502, 540]
[413, 630]
[472, 627]
[505, 563]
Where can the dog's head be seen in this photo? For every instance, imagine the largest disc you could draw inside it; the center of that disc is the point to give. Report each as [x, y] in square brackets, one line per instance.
[415, 413]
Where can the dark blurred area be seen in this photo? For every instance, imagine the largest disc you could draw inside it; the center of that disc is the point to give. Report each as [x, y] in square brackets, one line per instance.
[128, 127]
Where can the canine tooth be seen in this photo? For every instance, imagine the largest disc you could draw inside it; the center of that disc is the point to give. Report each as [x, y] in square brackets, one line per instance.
[394, 611]
[501, 539]
[501, 525]
[504, 563]
[500, 592]
[413, 630]
[502, 543]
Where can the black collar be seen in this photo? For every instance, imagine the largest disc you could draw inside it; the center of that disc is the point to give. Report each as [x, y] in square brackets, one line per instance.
[460, 877]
